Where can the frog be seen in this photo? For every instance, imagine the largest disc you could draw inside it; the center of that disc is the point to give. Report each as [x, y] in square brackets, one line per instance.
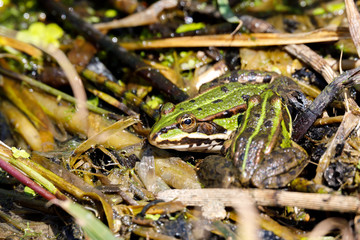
[249, 122]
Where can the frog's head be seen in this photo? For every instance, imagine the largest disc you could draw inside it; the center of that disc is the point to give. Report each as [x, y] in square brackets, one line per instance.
[183, 131]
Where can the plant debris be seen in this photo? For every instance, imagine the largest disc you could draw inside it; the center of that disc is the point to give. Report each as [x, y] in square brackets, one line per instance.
[83, 83]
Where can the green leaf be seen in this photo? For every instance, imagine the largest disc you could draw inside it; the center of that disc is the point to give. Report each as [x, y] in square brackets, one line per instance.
[189, 27]
[154, 217]
[19, 153]
[110, 13]
[94, 101]
[54, 31]
[29, 191]
[39, 33]
[92, 226]
[226, 12]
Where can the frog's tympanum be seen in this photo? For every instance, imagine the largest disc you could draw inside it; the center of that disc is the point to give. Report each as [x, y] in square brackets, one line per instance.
[250, 121]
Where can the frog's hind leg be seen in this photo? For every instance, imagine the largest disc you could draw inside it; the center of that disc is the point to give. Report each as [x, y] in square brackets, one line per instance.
[282, 166]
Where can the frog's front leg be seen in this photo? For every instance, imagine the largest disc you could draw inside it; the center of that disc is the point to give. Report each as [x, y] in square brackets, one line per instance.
[282, 166]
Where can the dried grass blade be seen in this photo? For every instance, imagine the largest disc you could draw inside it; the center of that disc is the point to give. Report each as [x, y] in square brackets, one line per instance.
[63, 114]
[48, 89]
[102, 136]
[74, 80]
[243, 40]
[22, 125]
[21, 46]
[249, 218]
[21, 97]
[354, 23]
[329, 224]
[69, 70]
[68, 184]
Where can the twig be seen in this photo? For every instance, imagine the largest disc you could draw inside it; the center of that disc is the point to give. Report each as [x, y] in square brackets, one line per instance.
[247, 229]
[111, 100]
[117, 55]
[243, 40]
[75, 82]
[263, 197]
[328, 120]
[307, 55]
[347, 125]
[146, 17]
[354, 23]
[329, 224]
[299, 51]
[303, 122]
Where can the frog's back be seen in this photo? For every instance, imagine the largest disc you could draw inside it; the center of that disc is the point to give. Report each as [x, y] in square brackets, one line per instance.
[219, 99]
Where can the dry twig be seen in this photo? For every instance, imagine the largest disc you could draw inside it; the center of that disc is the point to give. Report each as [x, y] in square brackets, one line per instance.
[329, 224]
[264, 197]
[354, 23]
[147, 17]
[243, 40]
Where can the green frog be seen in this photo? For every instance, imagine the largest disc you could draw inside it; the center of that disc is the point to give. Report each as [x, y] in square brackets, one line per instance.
[249, 122]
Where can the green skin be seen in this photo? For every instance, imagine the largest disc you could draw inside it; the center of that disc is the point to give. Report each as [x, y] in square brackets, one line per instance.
[250, 116]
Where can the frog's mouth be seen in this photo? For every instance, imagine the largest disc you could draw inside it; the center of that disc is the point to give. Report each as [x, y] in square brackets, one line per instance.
[194, 142]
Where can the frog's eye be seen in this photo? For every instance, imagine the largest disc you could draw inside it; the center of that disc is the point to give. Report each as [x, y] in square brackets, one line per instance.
[188, 122]
[167, 108]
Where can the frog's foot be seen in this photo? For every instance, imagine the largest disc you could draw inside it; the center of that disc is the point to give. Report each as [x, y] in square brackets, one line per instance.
[216, 171]
[283, 166]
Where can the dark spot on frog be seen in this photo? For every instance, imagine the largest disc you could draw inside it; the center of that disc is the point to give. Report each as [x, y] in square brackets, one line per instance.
[217, 101]
[224, 89]
[234, 76]
[267, 78]
[237, 160]
[245, 97]
[192, 101]
[279, 181]
[252, 76]
[249, 130]
[181, 109]
[199, 109]
[289, 160]
[257, 115]
[269, 160]
[240, 118]
[268, 123]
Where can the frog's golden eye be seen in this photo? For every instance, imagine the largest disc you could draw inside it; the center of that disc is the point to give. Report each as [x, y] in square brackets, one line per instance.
[188, 122]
